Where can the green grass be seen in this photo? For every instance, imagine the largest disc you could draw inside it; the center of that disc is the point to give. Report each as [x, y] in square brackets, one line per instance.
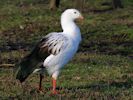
[108, 31]
[93, 76]
[102, 69]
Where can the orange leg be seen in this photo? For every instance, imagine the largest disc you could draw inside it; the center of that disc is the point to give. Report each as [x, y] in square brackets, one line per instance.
[54, 87]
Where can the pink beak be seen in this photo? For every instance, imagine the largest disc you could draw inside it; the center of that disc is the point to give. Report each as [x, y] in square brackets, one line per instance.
[81, 18]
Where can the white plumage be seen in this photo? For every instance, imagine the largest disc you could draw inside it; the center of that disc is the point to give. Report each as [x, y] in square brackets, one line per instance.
[67, 42]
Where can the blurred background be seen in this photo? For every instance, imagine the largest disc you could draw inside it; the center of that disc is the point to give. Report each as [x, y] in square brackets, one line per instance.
[103, 66]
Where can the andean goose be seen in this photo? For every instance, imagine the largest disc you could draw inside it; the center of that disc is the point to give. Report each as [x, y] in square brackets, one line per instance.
[53, 51]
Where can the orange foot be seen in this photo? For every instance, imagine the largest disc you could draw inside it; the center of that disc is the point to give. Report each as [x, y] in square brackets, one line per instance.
[55, 92]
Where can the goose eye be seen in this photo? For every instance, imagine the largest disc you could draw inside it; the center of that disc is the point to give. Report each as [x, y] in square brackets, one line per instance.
[75, 12]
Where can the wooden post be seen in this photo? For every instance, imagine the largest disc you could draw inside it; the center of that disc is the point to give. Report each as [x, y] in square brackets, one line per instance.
[54, 4]
[117, 4]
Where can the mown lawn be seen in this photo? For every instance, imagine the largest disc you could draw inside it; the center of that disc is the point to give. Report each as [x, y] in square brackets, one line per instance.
[101, 70]
[93, 76]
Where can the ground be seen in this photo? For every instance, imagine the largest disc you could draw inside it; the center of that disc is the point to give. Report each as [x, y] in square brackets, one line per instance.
[102, 68]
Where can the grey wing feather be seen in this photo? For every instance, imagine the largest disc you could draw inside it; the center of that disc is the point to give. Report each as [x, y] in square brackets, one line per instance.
[54, 42]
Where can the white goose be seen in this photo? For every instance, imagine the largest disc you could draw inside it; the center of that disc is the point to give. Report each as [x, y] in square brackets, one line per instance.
[54, 50]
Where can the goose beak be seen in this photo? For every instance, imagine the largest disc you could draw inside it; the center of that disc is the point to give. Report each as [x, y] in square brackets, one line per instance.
[81, 18]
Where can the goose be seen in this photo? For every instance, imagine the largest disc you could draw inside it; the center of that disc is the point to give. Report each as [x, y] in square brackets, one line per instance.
[53, 51]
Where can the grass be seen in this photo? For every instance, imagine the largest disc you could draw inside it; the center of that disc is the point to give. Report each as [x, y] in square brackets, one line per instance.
[102, 68]
[87, 76]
